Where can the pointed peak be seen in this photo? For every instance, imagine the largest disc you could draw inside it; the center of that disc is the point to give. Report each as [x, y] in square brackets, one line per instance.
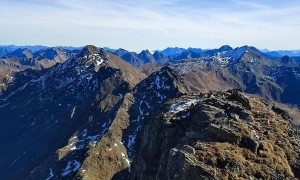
[145, 51]
[20, 52]
[225, 48]
[246, 47]
[165, 79]
[91, 56]
[168, 72]
[121, 49]
[166, 69]
[89, 49]
[286, 59]
[196, 50]
[252, 49]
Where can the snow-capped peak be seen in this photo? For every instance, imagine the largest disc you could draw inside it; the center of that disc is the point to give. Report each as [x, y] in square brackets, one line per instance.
[231, 56]
[92, 57]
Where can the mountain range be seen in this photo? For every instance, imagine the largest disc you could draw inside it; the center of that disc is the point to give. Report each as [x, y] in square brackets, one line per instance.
[280, 53]
[99, 113]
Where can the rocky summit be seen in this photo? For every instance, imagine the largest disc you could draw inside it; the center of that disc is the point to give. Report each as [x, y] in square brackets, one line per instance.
[218, 135]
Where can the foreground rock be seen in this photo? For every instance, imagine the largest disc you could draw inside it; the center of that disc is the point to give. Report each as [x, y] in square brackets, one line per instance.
[218, 135]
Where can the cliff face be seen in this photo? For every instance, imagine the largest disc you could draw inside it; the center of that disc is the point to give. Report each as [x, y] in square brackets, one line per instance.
[218, 135]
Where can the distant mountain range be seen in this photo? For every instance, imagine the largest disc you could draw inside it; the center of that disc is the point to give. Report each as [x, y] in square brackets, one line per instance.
[168, 51]
[280, 53]
[100, 113]
[16, 59]
[173, 54]
[4, 49]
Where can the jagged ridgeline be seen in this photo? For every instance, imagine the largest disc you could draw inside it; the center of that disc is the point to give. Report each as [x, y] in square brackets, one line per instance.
[92, 115]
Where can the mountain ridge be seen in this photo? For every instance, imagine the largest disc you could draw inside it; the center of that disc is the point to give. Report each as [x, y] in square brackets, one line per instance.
[90, 112]
[96, 88]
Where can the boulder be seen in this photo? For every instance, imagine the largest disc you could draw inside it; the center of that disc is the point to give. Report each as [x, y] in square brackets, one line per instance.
[284, 114]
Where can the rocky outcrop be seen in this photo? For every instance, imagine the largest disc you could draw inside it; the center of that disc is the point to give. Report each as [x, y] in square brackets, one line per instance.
[284, 114]
[217, 135]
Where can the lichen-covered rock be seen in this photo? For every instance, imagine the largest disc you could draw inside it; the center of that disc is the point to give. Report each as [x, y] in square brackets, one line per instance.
[218, 135]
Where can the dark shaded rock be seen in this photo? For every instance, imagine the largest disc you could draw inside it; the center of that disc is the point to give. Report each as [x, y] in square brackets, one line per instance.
[284, 114]
[250, 144]
[238, 96]
[188, 149]
[223, 133]
[181, 166]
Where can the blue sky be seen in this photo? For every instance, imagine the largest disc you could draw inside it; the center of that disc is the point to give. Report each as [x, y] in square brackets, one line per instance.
[145, 24]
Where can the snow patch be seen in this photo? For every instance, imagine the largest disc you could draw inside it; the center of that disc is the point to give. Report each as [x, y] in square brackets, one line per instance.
[93, 138]
[131, 141]
[72, 166]
[98, 63]
[104, 125]
[162, 97]
[157, 81]
[4, 105]
[231, 56]
[50, 174]
[84, 133]
[186, 115]
[32, 124]
[182, 106]
[73, 111]
[127, 160]
[73, 148]
[17, 159]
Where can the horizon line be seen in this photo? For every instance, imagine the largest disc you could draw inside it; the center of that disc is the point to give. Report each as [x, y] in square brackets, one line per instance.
[71, 46]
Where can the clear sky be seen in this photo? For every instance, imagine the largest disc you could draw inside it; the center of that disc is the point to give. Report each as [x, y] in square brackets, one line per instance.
[151, 24]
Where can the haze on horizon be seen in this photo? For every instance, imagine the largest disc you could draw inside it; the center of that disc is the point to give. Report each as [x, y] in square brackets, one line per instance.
[156, 24]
